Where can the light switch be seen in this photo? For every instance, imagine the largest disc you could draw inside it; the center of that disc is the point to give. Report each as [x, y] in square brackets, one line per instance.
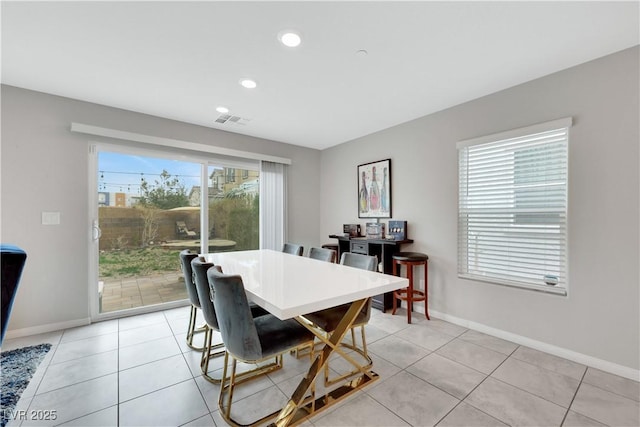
[50, 218]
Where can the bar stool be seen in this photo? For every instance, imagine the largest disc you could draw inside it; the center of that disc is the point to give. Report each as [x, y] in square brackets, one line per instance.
[410, 259]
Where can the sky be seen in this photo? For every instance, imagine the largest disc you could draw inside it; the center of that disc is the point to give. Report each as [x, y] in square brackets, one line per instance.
[123, 172]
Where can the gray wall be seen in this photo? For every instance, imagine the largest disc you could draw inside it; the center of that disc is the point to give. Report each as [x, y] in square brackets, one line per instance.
[44, 168]
[600, 316]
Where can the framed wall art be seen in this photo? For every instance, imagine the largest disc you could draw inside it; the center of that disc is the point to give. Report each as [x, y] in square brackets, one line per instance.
[374, 189]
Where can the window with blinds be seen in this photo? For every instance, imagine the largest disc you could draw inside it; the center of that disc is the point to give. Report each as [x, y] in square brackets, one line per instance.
[512, 211]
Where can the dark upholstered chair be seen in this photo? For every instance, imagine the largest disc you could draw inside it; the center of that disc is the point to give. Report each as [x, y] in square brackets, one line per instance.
[12, 260]
[293, 249]
[186, 256]
[322, 254]
[328, 319]
[333, 246]
[200, 267]
[248, 339]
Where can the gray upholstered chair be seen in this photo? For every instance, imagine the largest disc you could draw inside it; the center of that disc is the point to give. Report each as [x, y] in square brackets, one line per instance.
[323, 254]
[248, 339]
[186, 256]
[200, 267]
[328, 319]
[293, 249]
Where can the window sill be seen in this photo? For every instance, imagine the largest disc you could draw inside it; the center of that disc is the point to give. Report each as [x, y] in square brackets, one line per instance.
[555, 290]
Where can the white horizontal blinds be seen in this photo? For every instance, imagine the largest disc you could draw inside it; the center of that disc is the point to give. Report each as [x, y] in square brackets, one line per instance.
[512, 221]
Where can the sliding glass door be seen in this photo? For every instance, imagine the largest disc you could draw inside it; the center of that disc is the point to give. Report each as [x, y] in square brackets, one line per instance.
[148, 207]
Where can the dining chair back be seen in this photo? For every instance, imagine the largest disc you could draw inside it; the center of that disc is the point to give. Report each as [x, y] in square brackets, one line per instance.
[322, 254]
[364, 262]
[293, 249]
[200, 266]
[235, 321]
[186, 256]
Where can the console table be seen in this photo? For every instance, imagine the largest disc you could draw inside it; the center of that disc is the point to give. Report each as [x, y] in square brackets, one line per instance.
[382, 248]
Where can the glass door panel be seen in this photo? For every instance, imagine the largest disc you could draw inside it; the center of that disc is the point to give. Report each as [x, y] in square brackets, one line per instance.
[148, 211]
[233, 212]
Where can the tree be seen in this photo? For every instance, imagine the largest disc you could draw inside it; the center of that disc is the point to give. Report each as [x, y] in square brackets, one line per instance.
[167, 193]
[150, 224]
[237, 218]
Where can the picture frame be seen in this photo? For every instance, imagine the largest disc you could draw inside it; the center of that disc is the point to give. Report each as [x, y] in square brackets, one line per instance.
[374, 189]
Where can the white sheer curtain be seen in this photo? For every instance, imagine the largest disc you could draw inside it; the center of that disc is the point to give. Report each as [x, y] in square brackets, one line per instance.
[273, 205]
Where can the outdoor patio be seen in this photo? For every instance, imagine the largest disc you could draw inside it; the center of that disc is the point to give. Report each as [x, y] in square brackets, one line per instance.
[142, 291]
[138, 291]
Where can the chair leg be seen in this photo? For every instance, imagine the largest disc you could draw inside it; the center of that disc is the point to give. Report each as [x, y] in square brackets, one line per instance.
[207, 355]
[409, 292]
[364, 342]
[192, 325]
[395, 297]
[232, 385]
[229, 382]
[304, 350]
[191, 329]
[426, 294]
[205, 350]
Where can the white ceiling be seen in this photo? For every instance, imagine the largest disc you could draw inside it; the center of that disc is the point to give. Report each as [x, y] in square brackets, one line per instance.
[180, 60]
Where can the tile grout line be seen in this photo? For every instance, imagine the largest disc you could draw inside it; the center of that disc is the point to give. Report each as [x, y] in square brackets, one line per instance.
[193, 378]
[574, 396]
[453, 338]
[478, 385]
[519, 388]
[433, 385]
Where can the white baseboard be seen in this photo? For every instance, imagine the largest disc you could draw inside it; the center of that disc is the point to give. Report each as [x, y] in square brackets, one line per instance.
[42, 329]
[574, 356]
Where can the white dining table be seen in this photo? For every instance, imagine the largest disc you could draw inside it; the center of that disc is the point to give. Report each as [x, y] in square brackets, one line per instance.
[290, 286]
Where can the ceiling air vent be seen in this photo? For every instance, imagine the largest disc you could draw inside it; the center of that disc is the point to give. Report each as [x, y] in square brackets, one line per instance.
[223, 118]
[229, 119]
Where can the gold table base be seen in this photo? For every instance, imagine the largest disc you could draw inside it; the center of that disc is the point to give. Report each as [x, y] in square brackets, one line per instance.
[298, 408]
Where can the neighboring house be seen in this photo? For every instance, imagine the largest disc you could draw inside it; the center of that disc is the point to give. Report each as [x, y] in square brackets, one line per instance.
[117, 199]
[195, 194]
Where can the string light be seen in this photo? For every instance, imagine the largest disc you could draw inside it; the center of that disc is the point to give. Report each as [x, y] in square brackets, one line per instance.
[143, 173]
[104, 186]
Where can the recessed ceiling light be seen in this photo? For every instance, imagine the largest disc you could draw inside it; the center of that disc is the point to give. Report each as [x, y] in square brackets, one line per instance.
[289, 38]
[362, 53]
[222, 110]
[248, 83]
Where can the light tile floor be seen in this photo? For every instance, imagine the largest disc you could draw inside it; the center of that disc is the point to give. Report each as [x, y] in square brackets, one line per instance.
[138, 371]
